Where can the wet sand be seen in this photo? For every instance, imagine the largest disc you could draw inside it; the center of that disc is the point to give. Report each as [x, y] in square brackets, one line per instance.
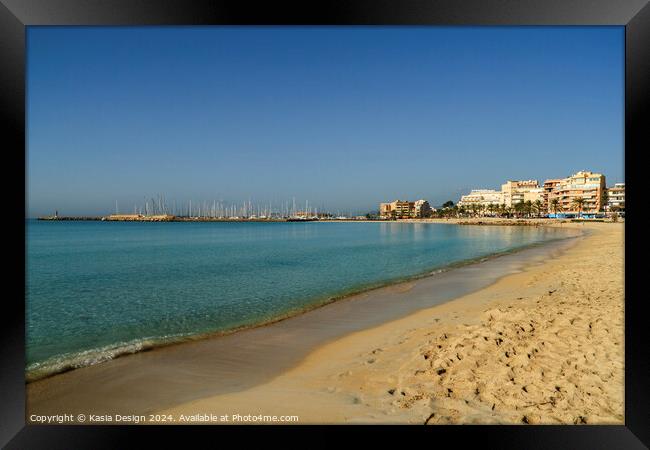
[541, 346]
[167, 377]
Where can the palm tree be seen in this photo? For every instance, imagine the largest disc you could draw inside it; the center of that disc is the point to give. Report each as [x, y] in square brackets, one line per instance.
[519, 209]
[555, 205]
[528, 207]
[579, 202]
[538, 207]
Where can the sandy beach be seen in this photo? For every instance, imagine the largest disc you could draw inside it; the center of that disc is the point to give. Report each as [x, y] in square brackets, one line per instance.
[542, 346]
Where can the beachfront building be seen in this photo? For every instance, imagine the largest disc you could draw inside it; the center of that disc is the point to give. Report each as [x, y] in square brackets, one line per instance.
[520, 191]
[588, 186]
[385, 211]
[399, 209]
[548, 187]
[616, 197]
[422, 208]
[534, 195]
[481, 197]
[404, 209]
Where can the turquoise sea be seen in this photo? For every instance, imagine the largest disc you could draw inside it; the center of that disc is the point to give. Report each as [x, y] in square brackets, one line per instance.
[95, 290]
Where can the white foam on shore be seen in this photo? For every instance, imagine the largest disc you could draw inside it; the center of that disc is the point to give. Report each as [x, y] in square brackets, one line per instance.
[68, 361]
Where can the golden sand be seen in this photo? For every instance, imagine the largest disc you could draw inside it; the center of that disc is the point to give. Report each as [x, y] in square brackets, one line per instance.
[545, 345]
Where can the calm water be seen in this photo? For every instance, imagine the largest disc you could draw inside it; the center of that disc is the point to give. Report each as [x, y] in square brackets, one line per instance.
[99, 289]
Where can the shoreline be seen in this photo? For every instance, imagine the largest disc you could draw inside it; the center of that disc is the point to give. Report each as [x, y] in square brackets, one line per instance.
[502, 221]
[58, 385]
[109, 352]
[541, 346]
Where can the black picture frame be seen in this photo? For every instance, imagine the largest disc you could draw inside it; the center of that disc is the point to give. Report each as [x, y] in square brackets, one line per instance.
[16, 15]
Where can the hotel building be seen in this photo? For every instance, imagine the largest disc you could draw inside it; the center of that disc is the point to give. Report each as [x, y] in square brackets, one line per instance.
[616, 197]
[422, 208]
[482, 197]
[399, 209]
[403, 209]
[584, 184]
[548, 187]
[521, 191]
[534, 195]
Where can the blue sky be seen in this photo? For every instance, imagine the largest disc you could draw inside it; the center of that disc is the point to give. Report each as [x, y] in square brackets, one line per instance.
[344, 117]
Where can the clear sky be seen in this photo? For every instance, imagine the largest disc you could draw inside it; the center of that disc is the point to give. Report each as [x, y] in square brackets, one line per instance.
[344, 117]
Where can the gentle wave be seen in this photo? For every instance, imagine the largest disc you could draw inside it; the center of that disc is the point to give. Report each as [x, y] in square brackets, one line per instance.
[90, 357]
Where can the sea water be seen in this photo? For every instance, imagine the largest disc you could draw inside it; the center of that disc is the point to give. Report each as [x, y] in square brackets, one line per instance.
[95, 290]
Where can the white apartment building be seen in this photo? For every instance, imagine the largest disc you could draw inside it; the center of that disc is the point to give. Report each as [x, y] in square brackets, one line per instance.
[422, 208]
[482, 197]
[520, 191]
[616, 197]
